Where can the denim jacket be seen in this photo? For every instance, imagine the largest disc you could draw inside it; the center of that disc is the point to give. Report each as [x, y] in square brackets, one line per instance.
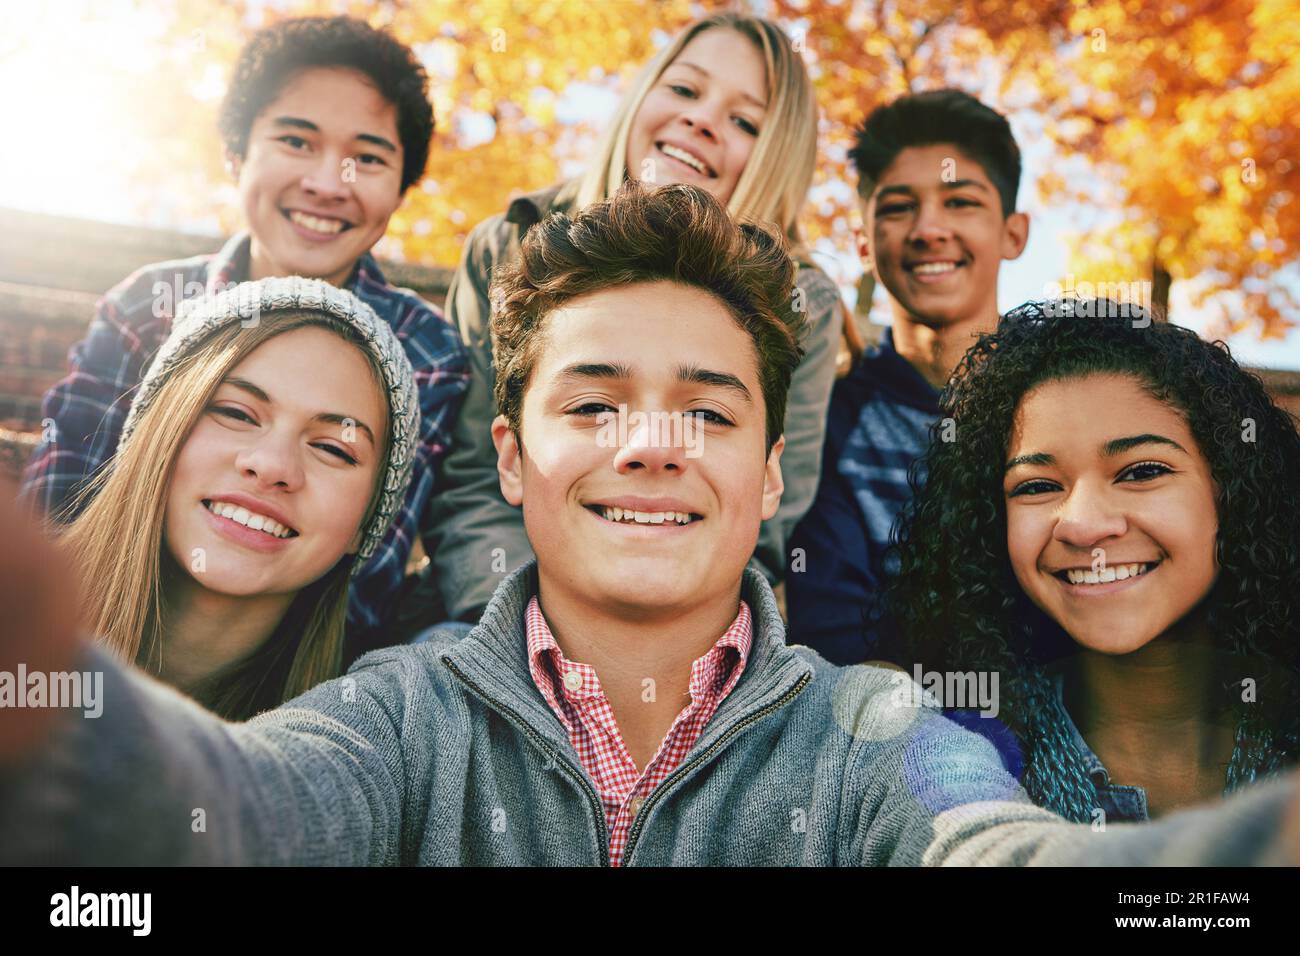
[1119, 802]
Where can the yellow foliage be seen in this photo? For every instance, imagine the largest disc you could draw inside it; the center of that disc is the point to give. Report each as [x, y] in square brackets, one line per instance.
[1186, 113]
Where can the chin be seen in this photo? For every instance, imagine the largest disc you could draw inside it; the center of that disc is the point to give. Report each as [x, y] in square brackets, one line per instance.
[1113, 640]
[644, 583]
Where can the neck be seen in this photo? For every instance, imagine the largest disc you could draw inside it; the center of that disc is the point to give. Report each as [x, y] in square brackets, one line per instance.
[261, 267]
[205, 632]
[935, 348]
[1155, 717]
[630, 646]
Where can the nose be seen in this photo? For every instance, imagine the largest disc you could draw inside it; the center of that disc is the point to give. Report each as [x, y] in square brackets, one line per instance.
[324, 179]
[656, 442]
[272, 462]
[702, 118]
[930, 225]
[1088, 516]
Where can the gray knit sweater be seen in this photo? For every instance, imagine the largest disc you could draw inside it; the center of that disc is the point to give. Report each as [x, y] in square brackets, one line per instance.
[445, 753]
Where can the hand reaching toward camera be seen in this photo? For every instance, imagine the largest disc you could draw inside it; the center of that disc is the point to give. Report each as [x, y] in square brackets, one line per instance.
[38, 624]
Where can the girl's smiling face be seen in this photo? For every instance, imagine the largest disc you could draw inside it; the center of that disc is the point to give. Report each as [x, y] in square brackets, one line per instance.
[1104, 480]
[700, 121]
[275, 479]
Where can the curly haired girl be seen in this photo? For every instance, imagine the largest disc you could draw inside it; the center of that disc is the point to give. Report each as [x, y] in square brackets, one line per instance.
[1109, 525]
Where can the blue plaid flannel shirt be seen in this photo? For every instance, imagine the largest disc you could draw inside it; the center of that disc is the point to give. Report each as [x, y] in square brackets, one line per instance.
[84, 413]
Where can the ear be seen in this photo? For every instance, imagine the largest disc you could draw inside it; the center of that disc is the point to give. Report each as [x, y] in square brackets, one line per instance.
[234, 163]
[1015, 235]
[509, 460]
[862, 244]
[773, 483]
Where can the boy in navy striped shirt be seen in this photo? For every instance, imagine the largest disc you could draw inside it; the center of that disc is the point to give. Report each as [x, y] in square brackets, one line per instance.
[938, 175]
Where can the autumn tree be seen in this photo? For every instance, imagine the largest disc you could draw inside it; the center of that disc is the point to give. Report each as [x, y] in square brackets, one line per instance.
[1173, 122]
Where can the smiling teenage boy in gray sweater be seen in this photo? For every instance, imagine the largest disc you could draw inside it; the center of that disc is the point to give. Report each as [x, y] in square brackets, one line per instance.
[629, 698]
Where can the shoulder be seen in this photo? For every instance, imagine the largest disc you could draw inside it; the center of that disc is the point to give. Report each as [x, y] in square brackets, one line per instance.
[492, 239]
[819, 289]
[160, 286]
[404, 678]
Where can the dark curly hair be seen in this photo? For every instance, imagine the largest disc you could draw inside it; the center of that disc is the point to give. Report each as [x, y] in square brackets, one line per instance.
[979, 619]
[277, 53]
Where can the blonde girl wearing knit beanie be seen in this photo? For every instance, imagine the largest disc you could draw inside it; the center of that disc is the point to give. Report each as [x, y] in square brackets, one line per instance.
[263, 458]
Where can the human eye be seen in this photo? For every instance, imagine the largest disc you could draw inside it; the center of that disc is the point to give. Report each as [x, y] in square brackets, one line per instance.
[710, 416]
[1145, 471]
[292, 141]
[893, 208]
[1035, 486]
[371, 159]
[746, 125]
[335, 451]
[962, 201]
[233, 413]
[591, 409]
[681, 89]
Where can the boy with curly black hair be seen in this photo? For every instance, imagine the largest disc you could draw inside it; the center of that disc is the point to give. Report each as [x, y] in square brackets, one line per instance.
[326, 124]
[938, 174]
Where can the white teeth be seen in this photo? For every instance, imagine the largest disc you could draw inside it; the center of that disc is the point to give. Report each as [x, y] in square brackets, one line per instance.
[1117, 572]
[629, 516]
[326, 226]
[684, 156]
[249, 519]
[934, 268]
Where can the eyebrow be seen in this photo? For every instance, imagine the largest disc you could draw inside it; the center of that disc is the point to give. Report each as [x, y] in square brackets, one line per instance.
[909, 191]
[699, 69]
[688, 374]
[297, 122]
[1116, 446]
[333, 418]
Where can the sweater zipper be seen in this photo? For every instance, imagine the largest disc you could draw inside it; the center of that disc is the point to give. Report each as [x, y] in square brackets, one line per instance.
[593, 798]
[685, 768]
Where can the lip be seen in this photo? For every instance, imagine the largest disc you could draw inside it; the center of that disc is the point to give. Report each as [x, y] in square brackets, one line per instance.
[308, 234]
[909, 267]
[710, 172]
[623, 527]
[635, 503]
[254, 504]
[236, 533]
[1101, 590]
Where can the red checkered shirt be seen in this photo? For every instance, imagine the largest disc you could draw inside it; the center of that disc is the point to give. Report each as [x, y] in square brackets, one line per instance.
[574, 693]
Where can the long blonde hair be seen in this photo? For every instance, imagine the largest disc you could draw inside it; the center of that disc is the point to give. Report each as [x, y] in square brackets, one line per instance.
[116, 544]
[774, 184]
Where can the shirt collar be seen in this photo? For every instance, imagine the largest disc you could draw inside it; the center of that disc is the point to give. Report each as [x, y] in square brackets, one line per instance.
[493, 661]
[230, 265]
[556, 676]
[882, 368]
[1097, 771]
